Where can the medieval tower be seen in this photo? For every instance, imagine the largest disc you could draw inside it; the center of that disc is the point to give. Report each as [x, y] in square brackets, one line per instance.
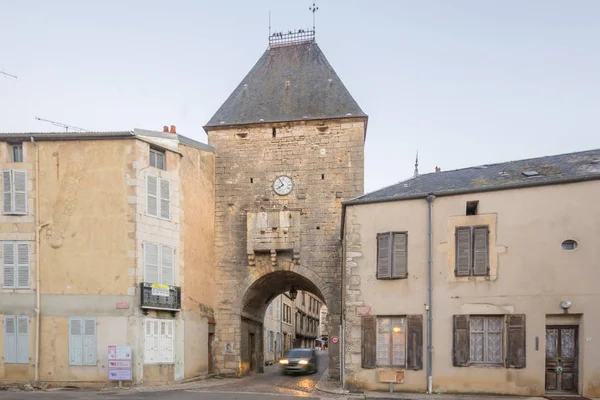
[289, 145]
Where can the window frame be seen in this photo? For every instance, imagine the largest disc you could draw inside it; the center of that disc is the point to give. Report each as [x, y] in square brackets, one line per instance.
[156, 152]
[472, 273]
[16, 265]
[13, 147]
[486, 332]
[392, 254]
[404, 318]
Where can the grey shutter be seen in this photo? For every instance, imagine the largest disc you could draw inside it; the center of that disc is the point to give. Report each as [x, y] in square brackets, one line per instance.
[7, 192]
[152, 195]
[463, 251]
[166, 266]
[151, 269]
[369, 342]
[8, 264]
[515, 353]
[22, 265]
[480, 250]
[165, 199]
[414, 359]
[384, 252]
[22, 339]
[461, 348]
[400, 256]
[20, 192]
[10, 339]
[89, 341]
[75, 341]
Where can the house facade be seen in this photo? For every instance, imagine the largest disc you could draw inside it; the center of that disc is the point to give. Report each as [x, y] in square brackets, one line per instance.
[107, 239]
[501, 261]
[308, 308]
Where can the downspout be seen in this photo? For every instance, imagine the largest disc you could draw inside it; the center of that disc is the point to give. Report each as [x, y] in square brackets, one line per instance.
[430, 200]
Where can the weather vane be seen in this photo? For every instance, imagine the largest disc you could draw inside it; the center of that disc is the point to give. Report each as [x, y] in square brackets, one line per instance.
[313, 9]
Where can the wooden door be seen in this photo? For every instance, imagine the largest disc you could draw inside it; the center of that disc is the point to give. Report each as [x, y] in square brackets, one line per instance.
[561, 358]
[252, 347]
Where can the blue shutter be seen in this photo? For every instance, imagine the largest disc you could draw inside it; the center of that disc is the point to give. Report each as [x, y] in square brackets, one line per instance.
[10, 339]
[22, 265]
[89, 341]
[75, 341]
[22, 339]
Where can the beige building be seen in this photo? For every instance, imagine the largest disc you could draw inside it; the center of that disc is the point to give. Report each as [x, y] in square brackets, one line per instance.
[501, 261]
[308, 308]
[323, 331]
[107, 239]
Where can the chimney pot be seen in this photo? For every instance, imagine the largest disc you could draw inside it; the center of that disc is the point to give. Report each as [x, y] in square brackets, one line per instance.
[165, 128]
[173, 129]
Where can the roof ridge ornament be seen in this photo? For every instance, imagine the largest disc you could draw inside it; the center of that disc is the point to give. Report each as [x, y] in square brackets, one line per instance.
[279, 39]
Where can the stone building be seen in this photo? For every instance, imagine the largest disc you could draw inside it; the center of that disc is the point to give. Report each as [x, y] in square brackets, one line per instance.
[107, 238]
[323, 331]
[289, 147]
[501, 261]
[307, 319]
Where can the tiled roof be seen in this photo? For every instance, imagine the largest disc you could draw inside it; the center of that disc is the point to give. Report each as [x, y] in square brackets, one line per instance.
[556, 169]
[288, 83]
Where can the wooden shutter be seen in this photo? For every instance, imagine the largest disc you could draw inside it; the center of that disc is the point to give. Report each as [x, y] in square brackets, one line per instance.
[149, 342]
[8, 264]
[463, 251]
[400, 255]
[166, 265]
[384, 255]
[166, 342]
[22, 339]
[414, 359]
[480, 250]
[89, 341]
[22, 265]
[75, 341]
[369, 342]
[20, 192]
[7, 192]
[151, 270]
[515, 353]
[165, 199]
[152, 195]
[10, 339]
[461, 350]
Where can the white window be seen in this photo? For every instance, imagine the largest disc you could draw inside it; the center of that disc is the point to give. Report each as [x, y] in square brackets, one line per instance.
[82, 341]
[14, 192]
[159, 341]
[158, 264]
[15, 265]
[391, 342]
[16, 153]
[157, 159]
[16, 339]
[158, 197]
[486, 340]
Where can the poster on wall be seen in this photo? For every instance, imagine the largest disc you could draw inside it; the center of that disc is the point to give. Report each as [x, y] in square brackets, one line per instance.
[119, 363]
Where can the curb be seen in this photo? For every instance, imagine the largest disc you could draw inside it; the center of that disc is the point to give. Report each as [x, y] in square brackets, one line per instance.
[322, 386]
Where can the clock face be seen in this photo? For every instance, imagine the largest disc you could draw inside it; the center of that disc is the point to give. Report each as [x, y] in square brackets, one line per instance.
[283, 185]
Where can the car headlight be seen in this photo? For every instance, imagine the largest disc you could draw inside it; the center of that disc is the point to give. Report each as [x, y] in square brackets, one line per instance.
[284, 362]
[303, 362]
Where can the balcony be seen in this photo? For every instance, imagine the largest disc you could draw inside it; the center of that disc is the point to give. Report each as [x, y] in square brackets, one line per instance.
[160, 297]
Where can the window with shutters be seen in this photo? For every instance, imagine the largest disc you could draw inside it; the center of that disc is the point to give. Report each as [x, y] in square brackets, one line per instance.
[472, 251]
[82, 341]
[157, 159]
[159, 341]
[16, 339]
[16, 153]
[159, 264]
[15, 265]
[158, 197]
[486, 340]
[14, 192]
[392, 255]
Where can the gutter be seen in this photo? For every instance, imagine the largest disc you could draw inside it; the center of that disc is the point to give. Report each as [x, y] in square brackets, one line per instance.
[430, 199]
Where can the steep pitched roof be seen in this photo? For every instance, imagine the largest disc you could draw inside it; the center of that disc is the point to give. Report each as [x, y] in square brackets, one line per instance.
[563, 168]
[288, 83]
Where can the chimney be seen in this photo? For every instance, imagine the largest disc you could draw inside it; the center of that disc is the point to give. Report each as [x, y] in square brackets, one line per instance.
[173, 129]
[166, 129]
[438, 169]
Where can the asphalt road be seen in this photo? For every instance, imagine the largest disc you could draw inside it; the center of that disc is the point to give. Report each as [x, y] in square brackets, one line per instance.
[269, 385]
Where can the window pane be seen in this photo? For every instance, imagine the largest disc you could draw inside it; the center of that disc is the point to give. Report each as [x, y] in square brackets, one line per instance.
[398, 342]
[477, 335]
[383, 341]
[160, 160]
[152, 158]
[494, 348]
[17, 153]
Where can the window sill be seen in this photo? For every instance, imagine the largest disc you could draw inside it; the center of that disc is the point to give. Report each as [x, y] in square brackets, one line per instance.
[15, 214]
[390, 279]
[159, 218]
[487, 366]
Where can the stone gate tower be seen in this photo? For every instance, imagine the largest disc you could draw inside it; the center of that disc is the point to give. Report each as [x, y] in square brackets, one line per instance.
[289, 144]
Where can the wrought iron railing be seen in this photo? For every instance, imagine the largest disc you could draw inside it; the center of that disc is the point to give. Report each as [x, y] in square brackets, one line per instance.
[278, 39]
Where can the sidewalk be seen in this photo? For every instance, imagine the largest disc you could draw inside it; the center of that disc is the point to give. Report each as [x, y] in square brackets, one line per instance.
[424, 396]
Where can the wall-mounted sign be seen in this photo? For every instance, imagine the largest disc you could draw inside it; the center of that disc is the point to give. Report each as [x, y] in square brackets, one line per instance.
[335, 340]
[160, 290]
[119, 363]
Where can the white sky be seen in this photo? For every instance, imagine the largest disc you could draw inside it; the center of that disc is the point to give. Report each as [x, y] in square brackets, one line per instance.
[465, 82]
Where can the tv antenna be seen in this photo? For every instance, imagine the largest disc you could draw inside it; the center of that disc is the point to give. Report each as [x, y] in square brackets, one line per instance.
[7, 74]
[61, 125]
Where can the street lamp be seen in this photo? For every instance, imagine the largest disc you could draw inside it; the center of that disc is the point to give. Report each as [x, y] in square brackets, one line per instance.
[293, 293]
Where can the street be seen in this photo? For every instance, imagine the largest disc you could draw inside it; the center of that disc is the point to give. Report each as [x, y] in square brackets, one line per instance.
[269, 385]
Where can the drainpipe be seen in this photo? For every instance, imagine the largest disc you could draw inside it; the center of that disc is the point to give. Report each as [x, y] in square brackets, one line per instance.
[430, 200]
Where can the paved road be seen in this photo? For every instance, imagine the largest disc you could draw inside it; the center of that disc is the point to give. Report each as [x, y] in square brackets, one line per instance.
[270, 385]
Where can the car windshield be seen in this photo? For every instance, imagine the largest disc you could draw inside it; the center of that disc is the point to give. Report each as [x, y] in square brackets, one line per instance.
[298, 353]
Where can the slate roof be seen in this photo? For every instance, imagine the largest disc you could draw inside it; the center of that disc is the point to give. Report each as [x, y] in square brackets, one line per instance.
[563, 168]
[288, 83]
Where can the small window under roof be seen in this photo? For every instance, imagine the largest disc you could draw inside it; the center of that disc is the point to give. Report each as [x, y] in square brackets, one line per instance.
[529, 174]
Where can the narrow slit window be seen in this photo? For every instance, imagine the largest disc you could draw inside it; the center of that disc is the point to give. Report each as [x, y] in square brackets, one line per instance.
[472, 207]
[274, 132]
[16, 154]
[322, 176]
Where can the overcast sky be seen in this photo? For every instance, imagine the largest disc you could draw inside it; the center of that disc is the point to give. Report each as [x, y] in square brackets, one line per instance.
[465, 82]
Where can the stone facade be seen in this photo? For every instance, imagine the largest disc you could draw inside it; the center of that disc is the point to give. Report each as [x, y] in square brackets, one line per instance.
[325, 160]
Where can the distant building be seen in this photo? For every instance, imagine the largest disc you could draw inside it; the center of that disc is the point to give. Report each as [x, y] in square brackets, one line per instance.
[307, 319]
[323, 326]
[514, 273]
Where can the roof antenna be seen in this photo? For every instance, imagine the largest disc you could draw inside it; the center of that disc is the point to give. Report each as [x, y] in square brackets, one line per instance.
[7, 74]
[269, 23]
[314, 9]
[60, 124]
[417, 165]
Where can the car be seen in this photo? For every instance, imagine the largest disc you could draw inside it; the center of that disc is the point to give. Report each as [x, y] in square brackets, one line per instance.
[299, 361]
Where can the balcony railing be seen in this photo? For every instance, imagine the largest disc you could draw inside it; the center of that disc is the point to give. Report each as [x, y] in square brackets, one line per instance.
[160, 297]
